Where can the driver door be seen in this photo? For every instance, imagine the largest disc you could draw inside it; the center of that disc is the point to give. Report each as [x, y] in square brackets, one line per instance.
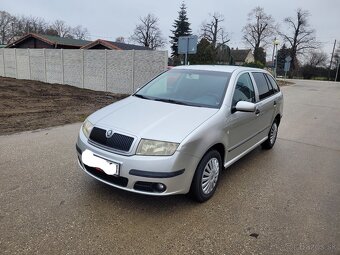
[243, 126]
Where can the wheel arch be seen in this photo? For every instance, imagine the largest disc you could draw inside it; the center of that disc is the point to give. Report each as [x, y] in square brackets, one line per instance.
[220, 148]
[278, 119]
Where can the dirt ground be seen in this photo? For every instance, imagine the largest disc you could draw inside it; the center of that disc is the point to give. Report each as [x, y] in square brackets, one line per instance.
[30, 105]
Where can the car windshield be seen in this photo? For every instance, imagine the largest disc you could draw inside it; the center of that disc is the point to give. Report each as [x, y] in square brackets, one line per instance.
[187, 87]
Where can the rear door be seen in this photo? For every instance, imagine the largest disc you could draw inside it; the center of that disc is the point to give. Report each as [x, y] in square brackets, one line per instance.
[266, 104]
[278, 98]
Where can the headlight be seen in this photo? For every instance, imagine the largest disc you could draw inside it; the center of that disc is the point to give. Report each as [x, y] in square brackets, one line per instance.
[156, 148]
[87, 128]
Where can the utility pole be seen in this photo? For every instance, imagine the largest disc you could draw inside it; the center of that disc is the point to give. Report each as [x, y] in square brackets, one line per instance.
[337, 70]
[330, 64]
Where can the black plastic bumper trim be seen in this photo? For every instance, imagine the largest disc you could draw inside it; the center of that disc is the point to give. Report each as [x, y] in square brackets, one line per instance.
[149, 174]
[78, 149]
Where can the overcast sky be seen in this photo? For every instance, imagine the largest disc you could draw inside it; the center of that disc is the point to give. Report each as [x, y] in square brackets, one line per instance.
[109, 19]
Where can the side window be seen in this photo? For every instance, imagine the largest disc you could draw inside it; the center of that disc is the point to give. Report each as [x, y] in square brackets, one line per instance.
[244, 90]
[273, 83]
[262, 85]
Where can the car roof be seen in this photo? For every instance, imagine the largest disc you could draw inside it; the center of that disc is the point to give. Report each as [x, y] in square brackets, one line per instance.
[218, 68]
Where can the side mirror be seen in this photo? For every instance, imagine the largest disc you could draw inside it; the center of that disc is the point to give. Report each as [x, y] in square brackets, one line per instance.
[244, 106]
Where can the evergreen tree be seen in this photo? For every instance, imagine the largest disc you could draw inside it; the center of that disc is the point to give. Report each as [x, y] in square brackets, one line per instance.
[206, 53]
[260, 55]
[281, 58]
[181, 28]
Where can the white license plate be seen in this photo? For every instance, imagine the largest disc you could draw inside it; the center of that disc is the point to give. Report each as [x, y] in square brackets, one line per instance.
[91, 160]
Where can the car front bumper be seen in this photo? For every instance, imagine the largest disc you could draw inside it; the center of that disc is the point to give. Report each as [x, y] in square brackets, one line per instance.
[142, 174]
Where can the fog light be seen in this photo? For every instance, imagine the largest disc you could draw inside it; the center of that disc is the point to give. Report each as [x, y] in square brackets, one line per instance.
[160, 187]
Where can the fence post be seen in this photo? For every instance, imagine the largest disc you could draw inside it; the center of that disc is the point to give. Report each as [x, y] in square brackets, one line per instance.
[3, 59]
[16, 63]
[29, 63]
[82, 68]
[44, 51]
[106, 70]
[133, 71]
[62, 66]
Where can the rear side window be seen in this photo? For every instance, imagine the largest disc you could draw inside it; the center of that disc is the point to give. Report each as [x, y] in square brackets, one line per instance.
[273, 83]
[263, 87]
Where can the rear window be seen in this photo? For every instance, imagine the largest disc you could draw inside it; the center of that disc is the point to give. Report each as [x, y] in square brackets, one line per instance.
[273, 83]
[262, 85]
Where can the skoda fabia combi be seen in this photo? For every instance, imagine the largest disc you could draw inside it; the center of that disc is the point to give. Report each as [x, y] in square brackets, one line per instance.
[178, 132]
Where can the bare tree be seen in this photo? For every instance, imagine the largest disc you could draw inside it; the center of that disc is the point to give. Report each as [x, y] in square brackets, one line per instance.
[299, 36]
[214, 32]
[36, 25]
[29, 24]
[317, 58]
[148, 33]
[120, 39]
[62, 28]
[13, 27]
[80, 32]
[6, 27]
[259, 30]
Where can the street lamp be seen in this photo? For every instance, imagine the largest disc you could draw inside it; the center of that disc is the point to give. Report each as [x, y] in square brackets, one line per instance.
[276, 43]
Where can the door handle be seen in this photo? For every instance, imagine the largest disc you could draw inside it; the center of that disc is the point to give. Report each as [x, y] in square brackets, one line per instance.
[274, 103]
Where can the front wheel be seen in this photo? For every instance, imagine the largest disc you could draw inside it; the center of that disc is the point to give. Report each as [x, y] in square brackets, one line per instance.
[206, 177]
[269, 143]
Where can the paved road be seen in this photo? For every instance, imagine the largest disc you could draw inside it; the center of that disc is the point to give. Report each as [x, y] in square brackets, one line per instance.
[283, 201]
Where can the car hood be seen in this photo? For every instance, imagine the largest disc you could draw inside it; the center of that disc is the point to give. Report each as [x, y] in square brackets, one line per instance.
[151, 119]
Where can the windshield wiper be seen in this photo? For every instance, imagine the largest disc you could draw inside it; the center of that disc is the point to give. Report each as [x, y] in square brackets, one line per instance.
[141, 96]
[172, 101]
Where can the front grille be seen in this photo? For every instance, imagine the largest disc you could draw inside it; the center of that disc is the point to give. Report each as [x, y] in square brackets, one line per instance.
[117, 180]
[117, 141]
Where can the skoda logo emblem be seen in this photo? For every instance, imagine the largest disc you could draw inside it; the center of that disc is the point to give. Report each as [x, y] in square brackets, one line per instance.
[109, 133]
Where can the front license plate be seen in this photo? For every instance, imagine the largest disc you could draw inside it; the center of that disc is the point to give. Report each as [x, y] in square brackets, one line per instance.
[91, 160]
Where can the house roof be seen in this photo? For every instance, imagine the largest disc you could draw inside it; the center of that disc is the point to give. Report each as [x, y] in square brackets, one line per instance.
[52, 40]
[114, 45]
[239, 55]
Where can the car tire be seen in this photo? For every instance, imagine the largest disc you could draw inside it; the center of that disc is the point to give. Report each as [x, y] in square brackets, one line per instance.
[272, 135]
[205, 180]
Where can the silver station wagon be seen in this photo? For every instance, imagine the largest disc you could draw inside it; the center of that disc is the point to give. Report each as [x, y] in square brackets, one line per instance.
[176, 133]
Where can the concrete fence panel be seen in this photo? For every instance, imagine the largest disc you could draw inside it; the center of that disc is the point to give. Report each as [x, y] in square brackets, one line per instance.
[2, 62]
[72, 67]
[23, 67]
[147, 65]
[10, 63]
[120, 71]
[115, 71]
[37, 64]
[54, 68]
[95, 69]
